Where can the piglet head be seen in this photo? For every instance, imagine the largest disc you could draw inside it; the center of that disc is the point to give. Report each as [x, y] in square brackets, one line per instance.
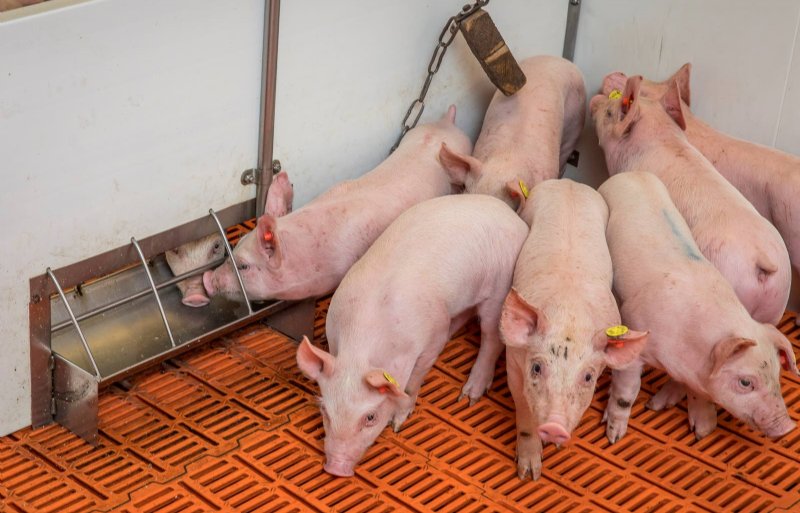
[191, 256]
[744, 378]
[627, 119]
[259, 257]
[562, 361]
[356, 404]
[650, 89]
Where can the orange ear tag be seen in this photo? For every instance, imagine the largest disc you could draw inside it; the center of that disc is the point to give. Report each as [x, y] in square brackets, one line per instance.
[383, 390]
[784, 362]
[615, 334]
[268, 236]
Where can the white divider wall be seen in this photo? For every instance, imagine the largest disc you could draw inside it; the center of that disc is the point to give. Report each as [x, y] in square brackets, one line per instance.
[745, 56]
[118, 118]
[348, 72]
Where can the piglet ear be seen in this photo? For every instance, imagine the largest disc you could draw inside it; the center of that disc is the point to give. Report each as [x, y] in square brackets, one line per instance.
[450, 115]
[727, 350]
[518, 191]
[519, 320]
[459, 166]
[313, 361]
[785, 351]
[268, 241]
[384, 383]
[280, 195]
[630, 109]
[682, 77]
[671, 102]
[622, 350]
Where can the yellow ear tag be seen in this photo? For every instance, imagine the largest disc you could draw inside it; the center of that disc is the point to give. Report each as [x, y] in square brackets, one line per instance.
[524, 189]
[389, 378]
[616, 94]
[616, 331]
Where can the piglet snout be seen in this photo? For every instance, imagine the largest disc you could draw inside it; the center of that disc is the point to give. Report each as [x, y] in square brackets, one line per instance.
[779, 429]
[194, 294]
[339, 468]
[553, 431]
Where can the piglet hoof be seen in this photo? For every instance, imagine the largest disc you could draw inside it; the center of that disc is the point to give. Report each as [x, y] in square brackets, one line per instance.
[475, 387]
[616, 429]
[702, 416]
[529, 464]
[702, 427]
[669, 395]
[472, 399]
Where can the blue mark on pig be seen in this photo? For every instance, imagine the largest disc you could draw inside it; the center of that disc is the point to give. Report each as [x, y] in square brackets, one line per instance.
[687, 243]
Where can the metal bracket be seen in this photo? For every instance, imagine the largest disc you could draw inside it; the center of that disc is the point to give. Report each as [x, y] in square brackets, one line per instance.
[253, 176]
[571, 31]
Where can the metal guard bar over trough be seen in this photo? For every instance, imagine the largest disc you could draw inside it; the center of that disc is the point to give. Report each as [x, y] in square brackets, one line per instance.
[75, 390]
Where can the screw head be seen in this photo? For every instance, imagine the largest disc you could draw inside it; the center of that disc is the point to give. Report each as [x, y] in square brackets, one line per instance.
[276, 166]
[248, 177]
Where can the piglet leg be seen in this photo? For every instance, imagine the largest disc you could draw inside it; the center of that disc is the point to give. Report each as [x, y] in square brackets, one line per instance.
[529, 445]
[482, 373]
[670, 394]
[421, 367]
[702, 416]
[625, 385]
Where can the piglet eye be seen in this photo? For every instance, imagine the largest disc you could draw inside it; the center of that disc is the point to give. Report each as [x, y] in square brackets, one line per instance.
[243, 267]
[216, 246]
[371, 417]
[536, 369]
[588, 377]
[744, 382]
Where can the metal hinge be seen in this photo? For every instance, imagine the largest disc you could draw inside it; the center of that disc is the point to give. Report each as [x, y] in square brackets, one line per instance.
[252, 176]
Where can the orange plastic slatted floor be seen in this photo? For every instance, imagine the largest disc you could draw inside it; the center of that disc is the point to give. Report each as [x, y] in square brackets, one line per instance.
[233, 427]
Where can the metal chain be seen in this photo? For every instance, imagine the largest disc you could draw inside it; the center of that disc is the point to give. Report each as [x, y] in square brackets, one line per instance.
[445, 38]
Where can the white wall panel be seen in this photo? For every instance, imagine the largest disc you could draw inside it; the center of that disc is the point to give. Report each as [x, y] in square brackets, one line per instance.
[118, 118]
[787, 137]
[740, 51]
[347, 71]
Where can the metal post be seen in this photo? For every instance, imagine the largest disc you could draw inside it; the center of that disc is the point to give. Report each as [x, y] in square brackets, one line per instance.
[75, 322]
[233, 260]
[155, 290]
[269, 60]
[571, 31]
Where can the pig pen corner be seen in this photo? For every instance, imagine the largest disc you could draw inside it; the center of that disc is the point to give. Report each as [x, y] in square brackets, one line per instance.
[233, 427]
